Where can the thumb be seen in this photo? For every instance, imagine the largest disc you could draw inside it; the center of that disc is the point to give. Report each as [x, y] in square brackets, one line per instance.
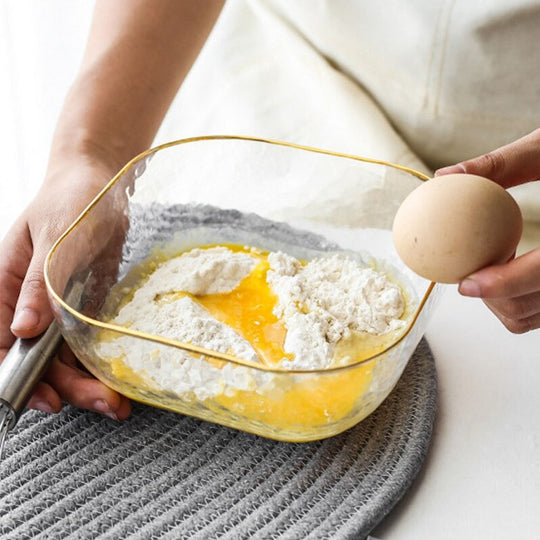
[509, 165]
[33, 311]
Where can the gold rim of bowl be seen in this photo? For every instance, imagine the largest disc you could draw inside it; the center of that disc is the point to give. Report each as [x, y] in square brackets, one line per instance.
[193, 348]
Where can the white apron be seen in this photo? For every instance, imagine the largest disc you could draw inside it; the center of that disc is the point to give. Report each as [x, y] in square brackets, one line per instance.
[422, 83]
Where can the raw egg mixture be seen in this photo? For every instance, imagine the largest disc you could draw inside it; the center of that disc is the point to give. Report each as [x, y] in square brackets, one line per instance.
[288, 322]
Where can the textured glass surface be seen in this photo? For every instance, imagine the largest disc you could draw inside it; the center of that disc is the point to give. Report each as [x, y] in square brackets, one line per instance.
[206, 191]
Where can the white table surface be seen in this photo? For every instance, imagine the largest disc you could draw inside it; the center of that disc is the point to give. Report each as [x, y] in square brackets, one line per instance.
[481, 479]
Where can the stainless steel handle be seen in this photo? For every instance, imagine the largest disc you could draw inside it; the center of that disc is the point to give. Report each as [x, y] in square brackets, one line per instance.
[24, 366]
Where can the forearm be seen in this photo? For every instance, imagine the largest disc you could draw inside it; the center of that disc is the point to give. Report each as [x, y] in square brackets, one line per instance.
[138, 53]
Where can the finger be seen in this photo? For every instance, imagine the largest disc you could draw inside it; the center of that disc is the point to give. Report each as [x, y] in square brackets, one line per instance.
[82, 390]
[518, 277]
[521, 307]
[515, 325]
[16, 252]
[509, 165]
[33, 312]
[45, 399]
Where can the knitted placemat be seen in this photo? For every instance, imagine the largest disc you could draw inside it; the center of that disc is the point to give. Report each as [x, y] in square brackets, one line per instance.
[77, 475]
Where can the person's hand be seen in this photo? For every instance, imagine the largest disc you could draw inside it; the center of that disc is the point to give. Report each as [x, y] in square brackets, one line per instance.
[511, 290]
[24, 307]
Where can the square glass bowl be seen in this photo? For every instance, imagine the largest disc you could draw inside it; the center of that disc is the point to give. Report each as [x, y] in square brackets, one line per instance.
[235, 190]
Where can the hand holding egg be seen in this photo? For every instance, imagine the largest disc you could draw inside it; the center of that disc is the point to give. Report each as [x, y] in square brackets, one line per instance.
[456, 224]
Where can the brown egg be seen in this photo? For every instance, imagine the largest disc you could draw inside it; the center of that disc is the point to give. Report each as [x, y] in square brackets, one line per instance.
[456, 224]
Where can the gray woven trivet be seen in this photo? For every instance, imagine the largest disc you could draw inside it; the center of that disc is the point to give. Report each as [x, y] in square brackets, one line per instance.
[77, 475]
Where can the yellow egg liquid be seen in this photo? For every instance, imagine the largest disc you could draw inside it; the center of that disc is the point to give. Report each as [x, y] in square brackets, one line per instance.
[248, 310]
[295, 402]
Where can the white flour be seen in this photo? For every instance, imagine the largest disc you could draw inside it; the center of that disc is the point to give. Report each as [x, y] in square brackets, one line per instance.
[200, 271]
[320, 303]
[173, 369]
[327, 299]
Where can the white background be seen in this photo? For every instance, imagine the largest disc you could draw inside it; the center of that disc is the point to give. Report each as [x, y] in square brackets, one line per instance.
[41, 44]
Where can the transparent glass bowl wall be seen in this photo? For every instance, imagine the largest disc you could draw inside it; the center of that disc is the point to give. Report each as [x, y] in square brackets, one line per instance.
[348, 200]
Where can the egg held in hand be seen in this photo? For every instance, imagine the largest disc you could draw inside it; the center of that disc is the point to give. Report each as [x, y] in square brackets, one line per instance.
[456, 224]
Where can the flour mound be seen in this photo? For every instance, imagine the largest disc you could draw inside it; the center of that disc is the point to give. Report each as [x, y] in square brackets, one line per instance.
[210, 271]
[200, 271]
[186, 321]
[173, 369]
[325, 300]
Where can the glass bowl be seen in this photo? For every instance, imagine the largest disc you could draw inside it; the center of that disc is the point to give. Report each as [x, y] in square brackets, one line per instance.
[223, 190]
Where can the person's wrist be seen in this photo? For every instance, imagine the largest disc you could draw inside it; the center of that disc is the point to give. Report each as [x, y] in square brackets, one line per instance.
[81, 146]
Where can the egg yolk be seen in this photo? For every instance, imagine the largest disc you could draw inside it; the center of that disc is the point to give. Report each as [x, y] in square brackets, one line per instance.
[248, 309]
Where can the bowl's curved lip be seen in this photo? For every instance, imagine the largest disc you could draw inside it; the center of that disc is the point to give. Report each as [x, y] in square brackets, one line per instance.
[193, 348]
